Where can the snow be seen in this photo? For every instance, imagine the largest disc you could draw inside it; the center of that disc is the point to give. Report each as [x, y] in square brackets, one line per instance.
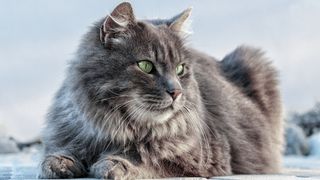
[27, 157]
[7, 145]
[314, 145]
[21, 165]
[302, 162]
[296, 140]
[24, 165]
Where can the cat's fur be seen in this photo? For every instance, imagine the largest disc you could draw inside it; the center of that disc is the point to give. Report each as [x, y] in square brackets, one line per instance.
[111, 120]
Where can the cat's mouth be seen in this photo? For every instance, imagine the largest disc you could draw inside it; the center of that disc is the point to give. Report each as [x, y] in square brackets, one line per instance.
[162, 108]
[157, 104]
[162, 105]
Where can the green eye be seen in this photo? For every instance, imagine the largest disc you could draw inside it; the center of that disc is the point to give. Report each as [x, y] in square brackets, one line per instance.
[179, 69]
[146, 66]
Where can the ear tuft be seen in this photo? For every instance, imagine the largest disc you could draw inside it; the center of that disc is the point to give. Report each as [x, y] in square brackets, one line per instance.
[117, 21]
[180, 22]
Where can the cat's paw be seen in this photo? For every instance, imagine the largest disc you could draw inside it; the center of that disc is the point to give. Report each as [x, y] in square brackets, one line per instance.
[60, 166]
[113, 168]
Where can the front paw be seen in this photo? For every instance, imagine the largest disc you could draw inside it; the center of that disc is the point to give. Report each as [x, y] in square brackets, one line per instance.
[61, 166]
[113, 168]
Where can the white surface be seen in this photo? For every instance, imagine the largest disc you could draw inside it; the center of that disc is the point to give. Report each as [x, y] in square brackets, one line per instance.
[24, 166]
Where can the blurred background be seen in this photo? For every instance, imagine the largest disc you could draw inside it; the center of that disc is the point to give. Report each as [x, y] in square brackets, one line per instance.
[39, 37]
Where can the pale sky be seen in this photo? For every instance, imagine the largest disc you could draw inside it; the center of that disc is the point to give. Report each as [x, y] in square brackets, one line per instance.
[39, 37]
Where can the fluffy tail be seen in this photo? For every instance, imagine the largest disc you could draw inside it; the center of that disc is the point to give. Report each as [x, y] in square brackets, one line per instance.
[248, 69]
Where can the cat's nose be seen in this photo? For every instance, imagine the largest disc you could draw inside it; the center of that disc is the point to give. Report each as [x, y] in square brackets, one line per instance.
[174, 93]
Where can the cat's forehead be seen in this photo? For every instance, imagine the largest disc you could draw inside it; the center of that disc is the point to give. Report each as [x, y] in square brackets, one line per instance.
[161, 43]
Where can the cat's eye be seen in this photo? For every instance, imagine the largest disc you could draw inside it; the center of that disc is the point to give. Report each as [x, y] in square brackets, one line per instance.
[145, 65]
[179, 69]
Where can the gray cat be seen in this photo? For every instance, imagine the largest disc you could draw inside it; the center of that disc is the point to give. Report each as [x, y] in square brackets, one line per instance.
[138, 103]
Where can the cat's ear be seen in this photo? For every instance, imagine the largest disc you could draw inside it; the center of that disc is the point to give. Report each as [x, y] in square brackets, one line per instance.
[181, 22]
[118, 21]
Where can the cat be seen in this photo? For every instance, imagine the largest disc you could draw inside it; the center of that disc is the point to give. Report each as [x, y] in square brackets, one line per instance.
[137, 102]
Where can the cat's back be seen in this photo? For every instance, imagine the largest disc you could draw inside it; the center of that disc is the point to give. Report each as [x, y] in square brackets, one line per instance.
[247, 71]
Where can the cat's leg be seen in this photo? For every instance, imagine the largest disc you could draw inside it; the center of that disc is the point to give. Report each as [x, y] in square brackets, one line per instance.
[114, 167]
[61, 166]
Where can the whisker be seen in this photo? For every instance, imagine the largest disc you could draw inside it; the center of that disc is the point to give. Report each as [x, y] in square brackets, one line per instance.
[203, 135]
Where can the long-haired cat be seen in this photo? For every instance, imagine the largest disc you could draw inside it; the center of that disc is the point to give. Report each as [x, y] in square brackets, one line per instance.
[138, 103]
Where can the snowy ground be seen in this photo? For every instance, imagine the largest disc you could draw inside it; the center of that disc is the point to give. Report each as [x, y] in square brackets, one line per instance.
[302, 162]
[23, 165]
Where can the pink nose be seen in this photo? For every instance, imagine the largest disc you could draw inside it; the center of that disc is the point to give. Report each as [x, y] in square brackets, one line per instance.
[174, 93]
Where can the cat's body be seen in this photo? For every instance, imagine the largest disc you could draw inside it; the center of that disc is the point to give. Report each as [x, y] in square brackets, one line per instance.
[222, 118]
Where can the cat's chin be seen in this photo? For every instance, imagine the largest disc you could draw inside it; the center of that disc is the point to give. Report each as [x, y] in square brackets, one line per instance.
[154, 117]
[161, 117]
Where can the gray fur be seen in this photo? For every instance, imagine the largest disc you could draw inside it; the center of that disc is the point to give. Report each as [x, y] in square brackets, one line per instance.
[111, 120]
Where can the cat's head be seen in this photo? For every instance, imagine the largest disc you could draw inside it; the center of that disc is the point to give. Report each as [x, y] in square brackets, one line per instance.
[140, 67]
